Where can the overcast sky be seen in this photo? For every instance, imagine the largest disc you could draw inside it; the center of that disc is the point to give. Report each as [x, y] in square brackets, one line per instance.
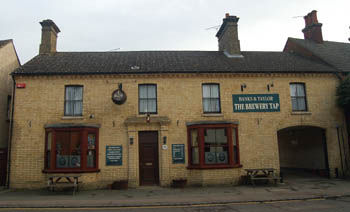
[136, 25]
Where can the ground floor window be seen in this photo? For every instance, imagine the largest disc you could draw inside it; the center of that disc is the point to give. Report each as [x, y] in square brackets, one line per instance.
[71, 149]
[213, 146]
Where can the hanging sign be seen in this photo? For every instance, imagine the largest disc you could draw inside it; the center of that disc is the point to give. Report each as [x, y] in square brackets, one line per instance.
[178, 153]
[114, 155]
[256, 103]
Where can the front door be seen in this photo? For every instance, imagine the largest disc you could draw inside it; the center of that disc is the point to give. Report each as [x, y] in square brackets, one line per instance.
[148, 158]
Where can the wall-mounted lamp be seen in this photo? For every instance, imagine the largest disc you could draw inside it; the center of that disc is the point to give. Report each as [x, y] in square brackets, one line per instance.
[243, 86]
[131, 140]
[164, 140]
[148, 118]
[269, 86]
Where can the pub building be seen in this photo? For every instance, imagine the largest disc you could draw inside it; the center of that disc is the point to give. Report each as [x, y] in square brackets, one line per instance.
[155, 117]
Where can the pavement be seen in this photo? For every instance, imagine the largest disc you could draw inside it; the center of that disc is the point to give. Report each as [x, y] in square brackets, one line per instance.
[293, 188]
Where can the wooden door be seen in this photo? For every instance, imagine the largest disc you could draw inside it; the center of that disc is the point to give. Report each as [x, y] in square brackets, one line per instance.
[148, 158]
[3, 166]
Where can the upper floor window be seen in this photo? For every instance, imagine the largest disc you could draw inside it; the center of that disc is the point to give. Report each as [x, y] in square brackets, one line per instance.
[298, 95]
[73, 103]
[211, 98]
[148, 98]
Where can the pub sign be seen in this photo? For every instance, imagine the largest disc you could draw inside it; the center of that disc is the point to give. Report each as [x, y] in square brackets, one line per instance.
[256, 103]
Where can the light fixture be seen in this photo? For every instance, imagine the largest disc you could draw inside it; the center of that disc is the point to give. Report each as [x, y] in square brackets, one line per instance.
[131, 140]
[164, 140]
[269, 86]
[148, 118]
[243, 86]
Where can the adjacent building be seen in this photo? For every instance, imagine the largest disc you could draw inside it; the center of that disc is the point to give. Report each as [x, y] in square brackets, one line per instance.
[150, 117]
[8, 63]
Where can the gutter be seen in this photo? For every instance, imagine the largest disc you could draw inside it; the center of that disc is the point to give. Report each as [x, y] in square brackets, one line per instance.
[10, 133]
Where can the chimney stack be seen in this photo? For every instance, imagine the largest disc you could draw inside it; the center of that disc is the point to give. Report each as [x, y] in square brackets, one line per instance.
[49, 31]
[228, 36]
[312, 30]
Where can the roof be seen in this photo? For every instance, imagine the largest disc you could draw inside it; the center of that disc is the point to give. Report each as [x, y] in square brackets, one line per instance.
[148, 62]
[336, 54]
[4, 42]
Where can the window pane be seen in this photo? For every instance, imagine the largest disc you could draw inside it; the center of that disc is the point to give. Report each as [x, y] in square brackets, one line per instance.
[68, 150]
[78, 108]
[234, 138]
[152, 106]
[214, 91]
[48, 150]
[194, 147]
[301, 103]
[195, 155]
[143, 106]
[294, 104]
[206, 105]
[91, 153]
[214, 105]
[293, 90]
[143, 91]
[194, 138]
[206, 91]
[220, 136]
[151, 91]
[209, 136]
[69, 93]
[78, 93]
[300, 90]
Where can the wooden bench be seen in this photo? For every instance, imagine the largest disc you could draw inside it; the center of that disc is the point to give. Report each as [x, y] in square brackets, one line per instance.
[55, 181]
[268, 174]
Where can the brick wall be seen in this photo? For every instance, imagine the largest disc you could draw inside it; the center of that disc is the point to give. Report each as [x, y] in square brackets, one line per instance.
[180, 99]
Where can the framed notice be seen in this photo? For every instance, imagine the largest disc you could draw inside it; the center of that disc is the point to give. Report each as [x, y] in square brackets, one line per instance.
[178, 153]
[114, 155]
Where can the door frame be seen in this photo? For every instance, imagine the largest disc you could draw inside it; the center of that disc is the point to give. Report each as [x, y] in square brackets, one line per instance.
[156, 142]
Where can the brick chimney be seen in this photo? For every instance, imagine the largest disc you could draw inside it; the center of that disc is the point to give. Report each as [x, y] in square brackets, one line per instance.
[312, 30]
[49, 32]
[228, 37]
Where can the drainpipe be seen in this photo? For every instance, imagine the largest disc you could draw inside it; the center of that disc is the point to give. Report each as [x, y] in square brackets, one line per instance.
[341, 155]
[10, 133]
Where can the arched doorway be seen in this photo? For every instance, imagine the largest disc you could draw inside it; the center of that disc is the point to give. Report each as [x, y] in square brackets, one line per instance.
[303, 151]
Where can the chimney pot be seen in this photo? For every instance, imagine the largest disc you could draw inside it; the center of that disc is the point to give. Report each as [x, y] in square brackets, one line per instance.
[312, 30]
[228, 36]
[49, 31]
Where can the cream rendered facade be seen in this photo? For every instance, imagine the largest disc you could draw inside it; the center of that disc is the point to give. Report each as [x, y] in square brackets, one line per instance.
[8, 63]
[179, 100]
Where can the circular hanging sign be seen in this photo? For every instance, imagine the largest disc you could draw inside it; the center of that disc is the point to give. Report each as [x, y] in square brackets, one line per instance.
[118, 97]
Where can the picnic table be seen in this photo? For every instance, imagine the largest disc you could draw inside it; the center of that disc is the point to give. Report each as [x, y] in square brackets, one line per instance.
[64, 181]
[261, 174]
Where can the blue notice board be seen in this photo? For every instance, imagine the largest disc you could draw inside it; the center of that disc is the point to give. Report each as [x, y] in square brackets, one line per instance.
[178, 153]
[114, 155]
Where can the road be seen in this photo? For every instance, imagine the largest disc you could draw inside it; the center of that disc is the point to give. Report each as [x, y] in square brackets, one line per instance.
[319, 205]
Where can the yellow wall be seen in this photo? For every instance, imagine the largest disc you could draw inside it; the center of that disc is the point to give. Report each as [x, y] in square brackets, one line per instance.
[180, 99]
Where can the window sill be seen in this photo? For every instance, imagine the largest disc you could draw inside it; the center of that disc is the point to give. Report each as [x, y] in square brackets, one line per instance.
[301, 113]
[212, 114]
[215, 166]
[63, 171]
[72, 117]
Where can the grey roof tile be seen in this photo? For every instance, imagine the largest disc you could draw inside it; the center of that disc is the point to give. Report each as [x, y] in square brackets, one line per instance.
[168, 62]
[336, 54]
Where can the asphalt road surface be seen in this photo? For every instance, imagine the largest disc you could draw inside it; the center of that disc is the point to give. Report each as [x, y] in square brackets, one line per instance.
[319, 205]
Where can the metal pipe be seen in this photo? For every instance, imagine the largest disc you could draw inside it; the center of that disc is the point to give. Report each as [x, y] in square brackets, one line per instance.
[341, 155]
[10, 133]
